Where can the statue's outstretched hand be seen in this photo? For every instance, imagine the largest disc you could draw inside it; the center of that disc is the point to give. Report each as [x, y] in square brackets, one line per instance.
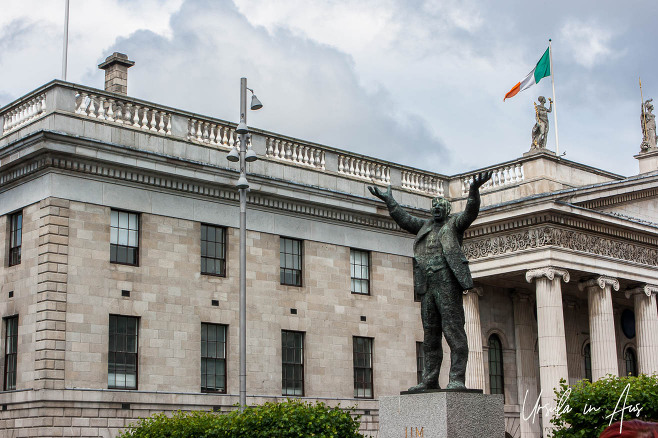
[481, 178]
[381, 195]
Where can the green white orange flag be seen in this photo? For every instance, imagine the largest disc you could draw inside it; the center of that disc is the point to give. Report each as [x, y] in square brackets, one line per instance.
[541, 70]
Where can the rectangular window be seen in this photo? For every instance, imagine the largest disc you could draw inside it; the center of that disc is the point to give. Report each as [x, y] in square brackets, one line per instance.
[15, 238]
[213, 358]
[122, 355]
[11, 350]
[292, 363]
[290, 251]
[362, 367]
[360, 271]
[213, 250]
[124, 237]
[420, 361]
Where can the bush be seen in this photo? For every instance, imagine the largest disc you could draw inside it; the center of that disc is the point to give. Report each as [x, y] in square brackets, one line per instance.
[578, 416]
[289, 419]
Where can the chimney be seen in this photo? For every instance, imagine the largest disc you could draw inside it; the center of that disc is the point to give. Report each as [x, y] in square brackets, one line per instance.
[116, 72]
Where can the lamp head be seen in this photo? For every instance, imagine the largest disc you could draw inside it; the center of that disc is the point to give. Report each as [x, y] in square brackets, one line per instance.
[250, 156]
[234, 155]
[242, 128]
[242, 183]
[255, 103]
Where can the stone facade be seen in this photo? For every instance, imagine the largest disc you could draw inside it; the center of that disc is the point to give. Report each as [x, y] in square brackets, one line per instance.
[548, 231]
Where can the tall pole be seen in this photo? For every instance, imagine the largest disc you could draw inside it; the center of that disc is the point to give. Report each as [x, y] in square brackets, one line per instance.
[550, 56]
[66, 39]
[243, 251]
[644, 116]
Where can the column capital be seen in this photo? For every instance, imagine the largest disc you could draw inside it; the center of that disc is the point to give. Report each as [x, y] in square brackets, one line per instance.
[476, 290]
[549, 272]
[647, 289]
[601, 281]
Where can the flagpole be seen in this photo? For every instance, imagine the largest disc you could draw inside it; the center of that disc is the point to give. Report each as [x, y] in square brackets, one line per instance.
[66, 39]
[644, 116]
[550, 56]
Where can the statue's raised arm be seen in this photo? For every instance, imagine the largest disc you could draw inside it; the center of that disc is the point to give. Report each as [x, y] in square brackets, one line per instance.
[406, 221]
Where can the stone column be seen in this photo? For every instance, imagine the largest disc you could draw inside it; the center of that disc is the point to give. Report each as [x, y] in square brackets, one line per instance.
[550, 334]
[646, 327]
[475, 364]
[526, 375]
[574, 344]
[603, 342]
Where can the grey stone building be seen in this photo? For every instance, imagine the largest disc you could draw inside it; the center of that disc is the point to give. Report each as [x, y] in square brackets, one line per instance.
[119, 269]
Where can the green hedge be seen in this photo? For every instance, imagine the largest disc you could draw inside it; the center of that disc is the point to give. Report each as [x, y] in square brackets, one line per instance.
[289, 419]
[581, 420]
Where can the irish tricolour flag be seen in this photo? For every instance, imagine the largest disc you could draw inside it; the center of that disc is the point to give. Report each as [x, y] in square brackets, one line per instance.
[541, 70]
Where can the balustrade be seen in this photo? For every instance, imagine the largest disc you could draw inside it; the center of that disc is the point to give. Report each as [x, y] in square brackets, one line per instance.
[292, 152]
[123, 112]
[421, 182]
[24, 113]
[365, 169]
[211, 133]
[502, 176]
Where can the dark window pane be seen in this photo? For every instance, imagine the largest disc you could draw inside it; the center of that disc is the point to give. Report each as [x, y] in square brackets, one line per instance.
[213, 250]
[290, 261]
[15, 238]
[495, 365]
[362, 357]
[124, 237]
[213, 357]
[122, 354]
[292, 366]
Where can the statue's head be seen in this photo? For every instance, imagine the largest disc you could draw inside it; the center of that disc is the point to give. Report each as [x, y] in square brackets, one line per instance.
[440, 208]
[541, 99]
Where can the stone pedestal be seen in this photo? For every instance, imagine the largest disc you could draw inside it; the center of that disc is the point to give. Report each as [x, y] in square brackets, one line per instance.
[442, 414]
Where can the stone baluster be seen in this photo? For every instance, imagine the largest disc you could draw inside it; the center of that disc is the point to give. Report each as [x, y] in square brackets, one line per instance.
[475, 363]
[646, 327]
[101, 108]
[550, 334]
[136, 115]
[91, 109]
[161, 125]
[601, 325]
[118, 115]
[110, 110]
[127, 116]
[153, 124]
[322, 160]
[526, 372]
[145, 120]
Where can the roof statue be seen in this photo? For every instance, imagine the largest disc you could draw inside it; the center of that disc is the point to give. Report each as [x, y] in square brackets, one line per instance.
[540, 130]
[648, 120]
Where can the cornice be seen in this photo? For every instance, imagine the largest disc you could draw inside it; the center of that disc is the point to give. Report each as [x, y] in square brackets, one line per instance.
[619, 198]
[559, 219]
[561, 237]
[192, 187]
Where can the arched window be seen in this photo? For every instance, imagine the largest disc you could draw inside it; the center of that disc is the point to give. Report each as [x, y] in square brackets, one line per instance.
[631, 362]
[496, 384]
[587, 352]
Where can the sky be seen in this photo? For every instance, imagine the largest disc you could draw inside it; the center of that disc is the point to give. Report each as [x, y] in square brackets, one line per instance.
[416, 82]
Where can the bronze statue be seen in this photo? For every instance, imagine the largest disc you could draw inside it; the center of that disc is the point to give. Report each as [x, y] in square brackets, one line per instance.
[441, 274]
[540, 130]
[648, 120]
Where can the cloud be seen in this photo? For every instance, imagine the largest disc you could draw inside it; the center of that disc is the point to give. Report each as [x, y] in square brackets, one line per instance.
[589, 43]
[309, 90]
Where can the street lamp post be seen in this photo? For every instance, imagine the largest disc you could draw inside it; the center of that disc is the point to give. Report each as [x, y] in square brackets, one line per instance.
[244, 156]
